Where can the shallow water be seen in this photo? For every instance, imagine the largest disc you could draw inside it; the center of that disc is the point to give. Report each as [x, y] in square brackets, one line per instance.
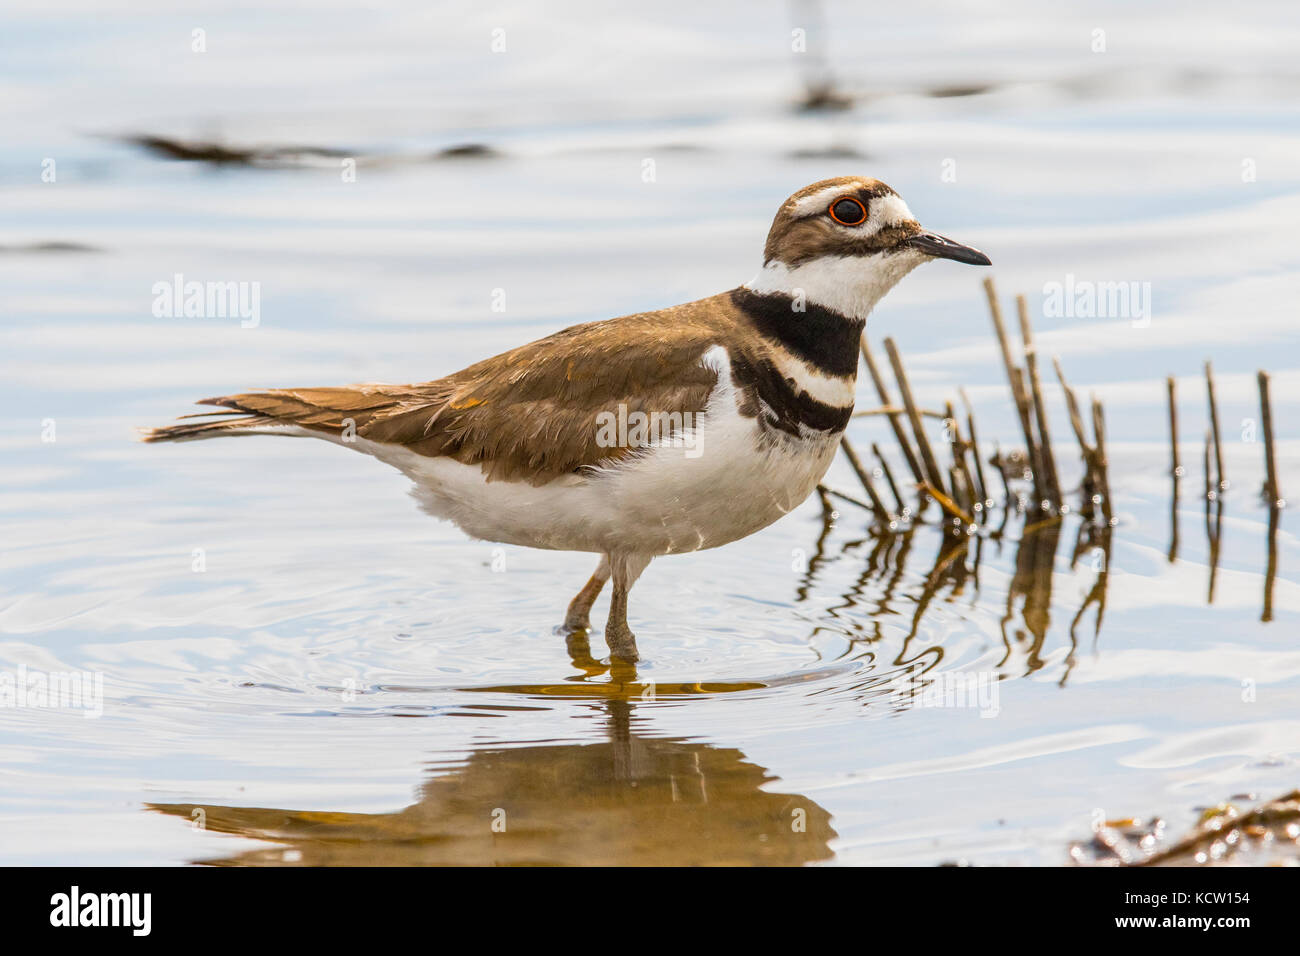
[264, 611]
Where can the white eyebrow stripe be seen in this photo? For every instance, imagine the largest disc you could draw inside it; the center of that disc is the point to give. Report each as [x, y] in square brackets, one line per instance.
[819, 201]
[882, 211]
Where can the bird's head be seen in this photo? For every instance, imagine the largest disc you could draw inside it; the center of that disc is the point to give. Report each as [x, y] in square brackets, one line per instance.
[843, 243]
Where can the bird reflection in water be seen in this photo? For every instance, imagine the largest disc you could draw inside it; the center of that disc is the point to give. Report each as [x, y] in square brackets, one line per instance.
[631, 800]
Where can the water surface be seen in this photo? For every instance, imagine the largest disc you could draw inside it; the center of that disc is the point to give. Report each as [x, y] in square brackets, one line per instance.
[329, 676]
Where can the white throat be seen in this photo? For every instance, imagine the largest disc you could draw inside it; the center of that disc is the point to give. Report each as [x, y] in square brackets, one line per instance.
[849, 285]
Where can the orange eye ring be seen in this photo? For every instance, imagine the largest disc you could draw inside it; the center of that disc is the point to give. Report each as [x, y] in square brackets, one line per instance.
[845, 217]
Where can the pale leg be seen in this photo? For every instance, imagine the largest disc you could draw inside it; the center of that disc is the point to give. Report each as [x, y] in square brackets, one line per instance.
[578, 617]
[626, 569]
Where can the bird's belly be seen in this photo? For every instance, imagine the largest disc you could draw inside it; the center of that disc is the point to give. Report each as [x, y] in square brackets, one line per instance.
[741, 481]
[730, 480]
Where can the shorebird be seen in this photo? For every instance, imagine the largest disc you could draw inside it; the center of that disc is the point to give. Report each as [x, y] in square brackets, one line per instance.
[650, 434]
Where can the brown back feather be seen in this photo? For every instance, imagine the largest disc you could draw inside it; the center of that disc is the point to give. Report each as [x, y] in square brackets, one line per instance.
[530, 413]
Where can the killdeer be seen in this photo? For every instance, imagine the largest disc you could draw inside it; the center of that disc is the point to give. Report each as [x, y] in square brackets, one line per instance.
[655, 433]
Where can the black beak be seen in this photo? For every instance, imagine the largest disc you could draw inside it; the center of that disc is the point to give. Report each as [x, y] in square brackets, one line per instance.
[941, 248]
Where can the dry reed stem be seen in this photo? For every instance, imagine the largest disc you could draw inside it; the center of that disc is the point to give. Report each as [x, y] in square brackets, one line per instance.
[889, 477]
[1018, 393]
[1220, 481]
[948, 504]
[855, 463]
[933, 476]
[895, 419]
[1270, 464]
[1051, 482]
[1103, 479]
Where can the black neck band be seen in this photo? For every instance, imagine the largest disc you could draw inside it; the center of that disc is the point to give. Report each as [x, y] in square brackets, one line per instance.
[821, 337]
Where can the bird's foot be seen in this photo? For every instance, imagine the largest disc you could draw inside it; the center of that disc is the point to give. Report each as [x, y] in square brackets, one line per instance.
[576, 621]
[622, 642]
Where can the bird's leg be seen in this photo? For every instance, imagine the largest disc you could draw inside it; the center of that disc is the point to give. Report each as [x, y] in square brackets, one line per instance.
[578, 617]
[626, 569]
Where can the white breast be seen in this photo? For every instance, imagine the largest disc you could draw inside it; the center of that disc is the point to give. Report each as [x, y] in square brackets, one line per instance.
[729, 480]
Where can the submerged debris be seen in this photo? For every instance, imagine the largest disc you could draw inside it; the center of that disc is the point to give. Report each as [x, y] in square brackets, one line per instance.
[1225, 835]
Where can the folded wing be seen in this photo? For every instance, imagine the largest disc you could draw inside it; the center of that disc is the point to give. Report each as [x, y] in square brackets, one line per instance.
[530, 414]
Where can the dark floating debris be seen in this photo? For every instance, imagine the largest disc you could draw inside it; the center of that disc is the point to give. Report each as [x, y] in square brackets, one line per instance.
[830, 152]
[1268, 834]
[821, 96]
[286, 157]
[219, 154]
[947, 92]
[467, 151]
[38, 248]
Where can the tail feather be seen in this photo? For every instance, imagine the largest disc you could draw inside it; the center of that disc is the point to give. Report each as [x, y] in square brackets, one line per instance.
[323, 410]
[229, 423]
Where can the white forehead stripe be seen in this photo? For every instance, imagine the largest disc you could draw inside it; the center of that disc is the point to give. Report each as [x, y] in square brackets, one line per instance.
[886, 211]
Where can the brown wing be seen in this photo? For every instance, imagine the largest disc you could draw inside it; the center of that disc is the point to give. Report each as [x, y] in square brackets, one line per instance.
[527, 414]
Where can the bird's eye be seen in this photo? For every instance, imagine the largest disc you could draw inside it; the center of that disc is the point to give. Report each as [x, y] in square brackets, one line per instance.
[848, 212]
